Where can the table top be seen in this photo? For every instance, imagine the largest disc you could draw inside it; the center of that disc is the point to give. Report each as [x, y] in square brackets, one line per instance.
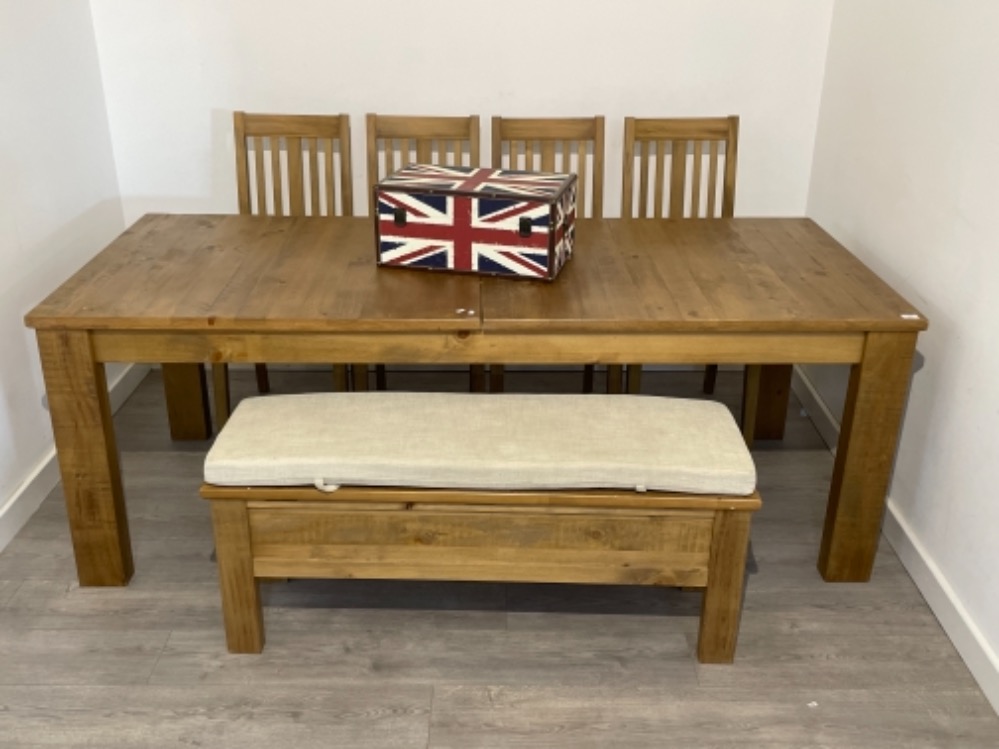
[733, 275]
[250, 273]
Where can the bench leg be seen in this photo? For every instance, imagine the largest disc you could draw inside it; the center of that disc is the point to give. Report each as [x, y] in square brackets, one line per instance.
[722, 607]
[241, 608]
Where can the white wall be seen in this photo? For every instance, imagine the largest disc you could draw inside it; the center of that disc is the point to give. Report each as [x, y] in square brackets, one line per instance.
[905, 175]
[58, 205]
[175, 69]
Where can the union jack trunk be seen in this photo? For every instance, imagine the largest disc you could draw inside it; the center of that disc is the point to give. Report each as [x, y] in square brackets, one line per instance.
[476, 220]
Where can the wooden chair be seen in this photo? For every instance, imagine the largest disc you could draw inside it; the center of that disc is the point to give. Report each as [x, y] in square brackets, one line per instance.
[289, 165]
[393, 141]
[397, 140]
[680, 168]
[566, 144]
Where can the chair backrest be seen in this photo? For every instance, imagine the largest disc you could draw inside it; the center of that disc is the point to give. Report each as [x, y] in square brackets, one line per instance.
[567, 144]
[685, 167]
[293, 164]
[397, 140]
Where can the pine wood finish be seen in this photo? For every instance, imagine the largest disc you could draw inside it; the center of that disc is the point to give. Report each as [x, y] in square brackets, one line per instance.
[196, 288]
[88, 456]
[393, 141]
[293, 164]
[651, 538]
[665, 186]
[240, 589]
[658, 183]
[850, 521]
[289, 165]
[554, 144]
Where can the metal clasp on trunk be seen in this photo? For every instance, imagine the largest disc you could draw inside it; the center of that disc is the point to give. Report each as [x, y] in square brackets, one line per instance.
[525, 226]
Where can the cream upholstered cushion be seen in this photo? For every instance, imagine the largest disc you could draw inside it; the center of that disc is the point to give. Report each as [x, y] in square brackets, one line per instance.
[483, 441]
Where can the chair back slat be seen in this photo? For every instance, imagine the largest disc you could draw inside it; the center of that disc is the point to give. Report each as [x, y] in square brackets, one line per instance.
[713, 178]
[660, 178]
[695, 179]
[276, 178]
[312, 156]
[293, 165]
[679, 168]
[424, 149]
[296, 192]
[677, 178]
[574, 144]
[331, 186]
[261, 177]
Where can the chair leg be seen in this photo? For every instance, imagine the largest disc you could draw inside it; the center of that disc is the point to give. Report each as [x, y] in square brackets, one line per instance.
[263, 379]
[710, 375]
[633, 377]
[220, 388]
[359, 376]
[588, 376]
[615, 378]
[497, 378]
[477, 378]
[340, 381]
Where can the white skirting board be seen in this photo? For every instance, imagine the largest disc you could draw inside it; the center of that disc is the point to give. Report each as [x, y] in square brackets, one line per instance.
[980, 658]
[964, 633]
[27, 498]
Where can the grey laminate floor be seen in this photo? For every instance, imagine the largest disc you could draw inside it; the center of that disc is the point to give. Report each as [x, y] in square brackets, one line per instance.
[383, 664]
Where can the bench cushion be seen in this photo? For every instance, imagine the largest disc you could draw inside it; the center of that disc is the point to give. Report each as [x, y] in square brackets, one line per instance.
[502, 441]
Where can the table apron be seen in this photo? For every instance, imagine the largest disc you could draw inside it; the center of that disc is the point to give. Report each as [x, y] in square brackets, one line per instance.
[475, 347]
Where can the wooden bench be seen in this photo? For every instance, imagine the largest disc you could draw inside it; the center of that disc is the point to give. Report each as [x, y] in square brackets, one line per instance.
[488, 487]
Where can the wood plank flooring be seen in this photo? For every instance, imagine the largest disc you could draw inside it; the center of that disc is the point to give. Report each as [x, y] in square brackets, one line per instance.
[391, 664]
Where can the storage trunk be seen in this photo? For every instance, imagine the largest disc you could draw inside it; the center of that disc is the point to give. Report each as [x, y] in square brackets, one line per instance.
[476, 220]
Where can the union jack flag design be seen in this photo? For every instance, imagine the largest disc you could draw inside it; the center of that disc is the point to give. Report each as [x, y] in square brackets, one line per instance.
[476, 220]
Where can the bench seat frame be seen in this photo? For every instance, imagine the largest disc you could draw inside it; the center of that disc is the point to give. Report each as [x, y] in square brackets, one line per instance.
[604, 537]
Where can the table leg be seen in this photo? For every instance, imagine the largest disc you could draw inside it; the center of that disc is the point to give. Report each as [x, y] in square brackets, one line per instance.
[187, 401]
[868, 437]
[721, 607]
[88, 457]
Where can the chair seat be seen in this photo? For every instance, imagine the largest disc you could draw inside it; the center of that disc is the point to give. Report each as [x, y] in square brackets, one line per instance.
[483, 441]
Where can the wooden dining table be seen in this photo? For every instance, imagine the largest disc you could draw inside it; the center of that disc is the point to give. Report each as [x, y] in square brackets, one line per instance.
[185, 290]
